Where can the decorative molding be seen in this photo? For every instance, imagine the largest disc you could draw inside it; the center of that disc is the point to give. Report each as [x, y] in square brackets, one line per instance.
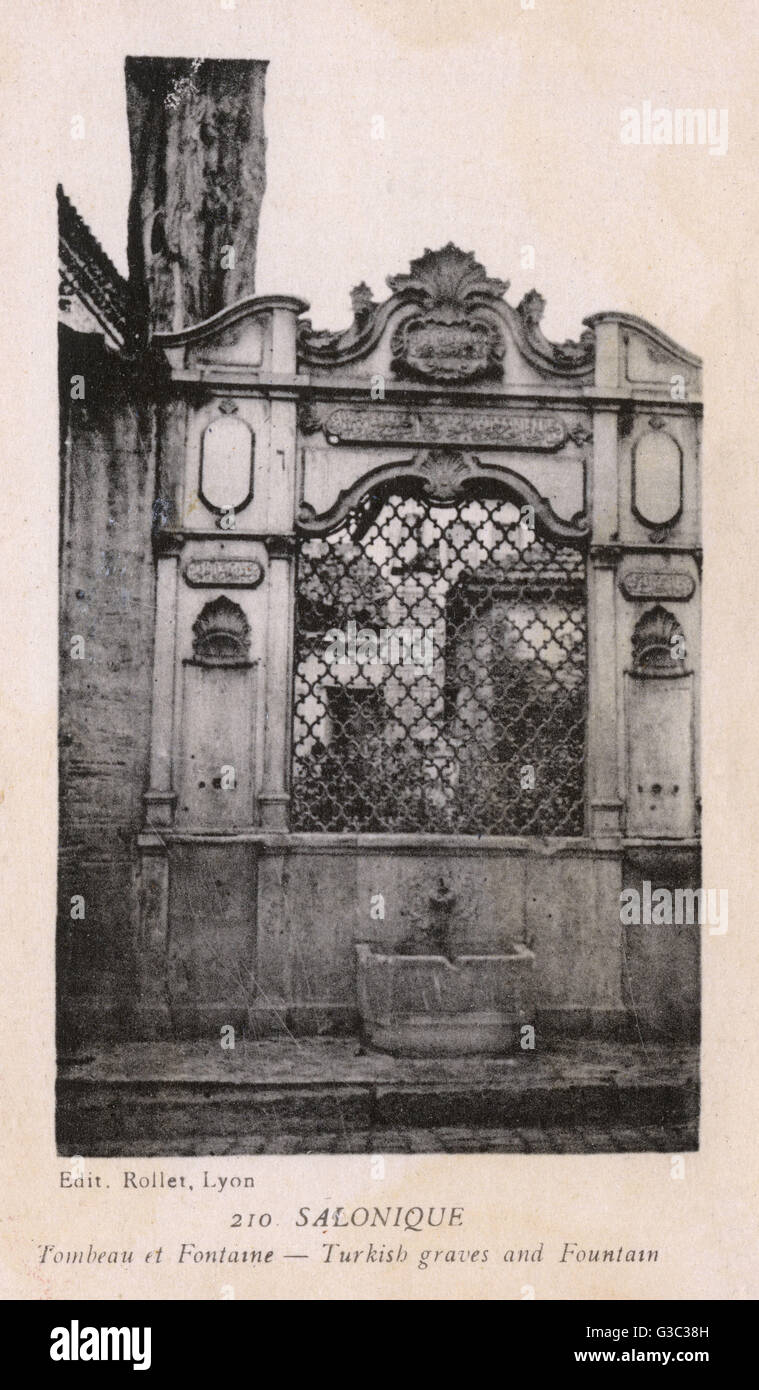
[580, 434]
[646, 548]
[666, 584]
[661, 353]
[167, 545]
[648, 330]
[486, 428]
[247, 308]
[455, 330]
[223, 573]
[442, 475]
[433, 349]
[567, 354]
[660, 527]
[231, 424]
[242, 537]
[447, 278]
[159, 807]
[280, 546]
[221, 634]
[654, 636]
[659, 534]
[87, 275]
[362, 303]
[447, 340]
[605, 557]
[309, 418]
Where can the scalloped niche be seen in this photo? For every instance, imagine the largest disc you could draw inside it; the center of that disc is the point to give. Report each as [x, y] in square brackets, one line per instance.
[657, 479]
[226, 464]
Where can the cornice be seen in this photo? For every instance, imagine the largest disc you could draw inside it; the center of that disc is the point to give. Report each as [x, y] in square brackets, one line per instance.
[249, 307]
[649, 330]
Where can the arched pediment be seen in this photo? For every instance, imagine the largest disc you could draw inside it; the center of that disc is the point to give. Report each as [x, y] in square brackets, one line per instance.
[447, 322]
[444, 476]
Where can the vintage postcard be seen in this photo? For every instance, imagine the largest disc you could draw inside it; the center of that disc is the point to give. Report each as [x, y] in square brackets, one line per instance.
[379, 782]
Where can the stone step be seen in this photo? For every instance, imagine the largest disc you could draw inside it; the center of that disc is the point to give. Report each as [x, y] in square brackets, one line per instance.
[179, 1097]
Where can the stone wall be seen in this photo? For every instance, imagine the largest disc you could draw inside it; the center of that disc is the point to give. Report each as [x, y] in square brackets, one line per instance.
[662, 963]
[106, 598]
[267, 925]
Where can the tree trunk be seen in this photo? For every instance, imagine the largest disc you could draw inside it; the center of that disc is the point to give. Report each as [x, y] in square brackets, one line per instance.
[198, 149]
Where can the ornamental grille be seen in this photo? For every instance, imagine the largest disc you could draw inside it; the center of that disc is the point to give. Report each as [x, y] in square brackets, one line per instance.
[440, 661]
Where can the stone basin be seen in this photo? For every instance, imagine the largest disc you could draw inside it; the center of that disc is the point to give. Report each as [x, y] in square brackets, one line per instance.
[429, 1006]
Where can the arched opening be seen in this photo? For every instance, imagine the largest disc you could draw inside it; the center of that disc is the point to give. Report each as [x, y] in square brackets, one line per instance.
[440, 670]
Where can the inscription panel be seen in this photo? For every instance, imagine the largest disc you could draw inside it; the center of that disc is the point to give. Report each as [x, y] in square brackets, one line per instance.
[402, 425]
[645, 584]
[223, 573]
[461, 351]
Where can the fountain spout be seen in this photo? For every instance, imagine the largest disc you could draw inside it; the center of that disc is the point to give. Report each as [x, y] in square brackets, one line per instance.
[438, 930]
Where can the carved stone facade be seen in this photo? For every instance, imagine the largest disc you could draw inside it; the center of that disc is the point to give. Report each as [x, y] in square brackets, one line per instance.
[221, 634]
[272, 436]
[658, 644]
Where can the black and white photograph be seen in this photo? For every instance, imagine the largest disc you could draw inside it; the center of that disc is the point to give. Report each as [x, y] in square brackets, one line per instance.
[378, 752]
[379, 676]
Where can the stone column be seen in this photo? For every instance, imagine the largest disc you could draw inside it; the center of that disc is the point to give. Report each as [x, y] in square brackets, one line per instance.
[152, 1011]
[160, 799]
[275, 792]
[274, 799]
[605, 804]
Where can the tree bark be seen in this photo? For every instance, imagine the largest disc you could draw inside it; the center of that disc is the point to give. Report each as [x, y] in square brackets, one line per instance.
[196, 135]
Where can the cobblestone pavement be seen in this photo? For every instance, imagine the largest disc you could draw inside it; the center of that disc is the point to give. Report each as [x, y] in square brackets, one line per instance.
[458, 1140]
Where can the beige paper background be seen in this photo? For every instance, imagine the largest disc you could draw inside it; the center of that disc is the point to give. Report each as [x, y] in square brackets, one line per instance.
[502, 129]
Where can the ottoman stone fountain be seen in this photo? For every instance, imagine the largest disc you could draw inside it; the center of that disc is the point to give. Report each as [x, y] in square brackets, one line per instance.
[434, 996]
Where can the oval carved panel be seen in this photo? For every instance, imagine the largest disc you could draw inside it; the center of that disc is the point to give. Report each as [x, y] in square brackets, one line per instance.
[657, 479]
[226, 464]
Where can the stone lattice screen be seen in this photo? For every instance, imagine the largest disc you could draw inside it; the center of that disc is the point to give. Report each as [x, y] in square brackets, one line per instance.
[440, 674]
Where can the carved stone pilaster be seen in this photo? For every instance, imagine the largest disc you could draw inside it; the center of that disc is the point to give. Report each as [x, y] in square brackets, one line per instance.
[160, 799]
[274, 797]
[152, 1009]
[605, 804]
